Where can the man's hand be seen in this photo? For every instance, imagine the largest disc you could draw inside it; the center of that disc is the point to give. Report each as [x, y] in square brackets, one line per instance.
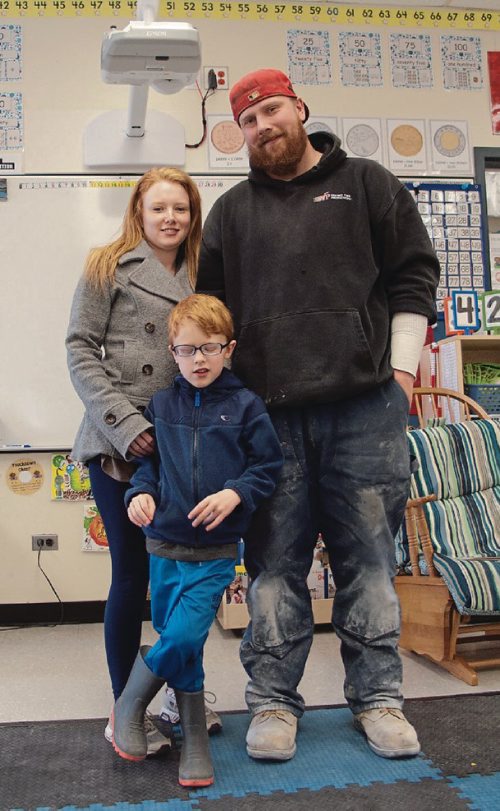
[406, 381]
[212, 510]
[141, 510]
[142, 445]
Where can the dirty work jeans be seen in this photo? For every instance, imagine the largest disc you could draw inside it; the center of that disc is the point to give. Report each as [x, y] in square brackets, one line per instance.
[346, 474]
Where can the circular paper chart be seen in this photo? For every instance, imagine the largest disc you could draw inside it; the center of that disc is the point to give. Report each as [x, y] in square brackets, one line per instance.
[449, 140]
[227, 137]
[318, 126]
[406, 140]
[24, 476]
[362, 140]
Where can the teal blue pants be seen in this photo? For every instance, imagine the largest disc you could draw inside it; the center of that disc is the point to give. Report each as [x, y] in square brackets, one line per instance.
[184, 601]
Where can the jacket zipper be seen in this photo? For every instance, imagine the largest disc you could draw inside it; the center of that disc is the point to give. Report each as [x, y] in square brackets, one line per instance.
[197, 408]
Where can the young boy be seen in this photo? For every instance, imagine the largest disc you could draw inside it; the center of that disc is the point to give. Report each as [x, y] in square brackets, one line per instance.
[217, 457]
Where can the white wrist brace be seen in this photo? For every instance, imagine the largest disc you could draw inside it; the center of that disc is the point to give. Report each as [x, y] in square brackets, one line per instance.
[408, 331]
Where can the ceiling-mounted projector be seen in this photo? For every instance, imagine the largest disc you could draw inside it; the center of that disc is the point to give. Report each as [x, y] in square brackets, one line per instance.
[162, 55]
[166, 55]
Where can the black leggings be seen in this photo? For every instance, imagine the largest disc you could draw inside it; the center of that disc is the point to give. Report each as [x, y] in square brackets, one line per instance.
[129, 576]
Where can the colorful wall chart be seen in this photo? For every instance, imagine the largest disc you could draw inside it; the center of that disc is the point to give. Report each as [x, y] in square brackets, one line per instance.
[453, 216]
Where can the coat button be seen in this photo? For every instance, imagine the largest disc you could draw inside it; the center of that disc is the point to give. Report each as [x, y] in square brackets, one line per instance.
[147, 369]
[110, 419]
[149, 327]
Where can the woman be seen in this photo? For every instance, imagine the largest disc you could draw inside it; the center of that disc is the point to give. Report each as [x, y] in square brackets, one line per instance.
[118, 357]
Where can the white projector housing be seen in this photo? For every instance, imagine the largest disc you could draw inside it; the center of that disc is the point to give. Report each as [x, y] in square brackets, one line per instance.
[165, 55]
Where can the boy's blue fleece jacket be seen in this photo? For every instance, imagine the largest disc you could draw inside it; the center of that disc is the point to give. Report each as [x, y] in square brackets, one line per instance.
[207, 440]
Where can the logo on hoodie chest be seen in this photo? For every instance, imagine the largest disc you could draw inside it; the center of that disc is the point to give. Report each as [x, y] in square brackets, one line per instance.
[328, 195]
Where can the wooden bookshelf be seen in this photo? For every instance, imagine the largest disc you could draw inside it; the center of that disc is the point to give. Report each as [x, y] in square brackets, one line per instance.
[453, 353]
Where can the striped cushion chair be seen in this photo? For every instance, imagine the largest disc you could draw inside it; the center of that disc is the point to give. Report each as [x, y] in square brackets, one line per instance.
[453, 548]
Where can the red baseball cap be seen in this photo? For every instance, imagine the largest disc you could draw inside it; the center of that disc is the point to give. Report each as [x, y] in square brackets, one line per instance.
[261, 84]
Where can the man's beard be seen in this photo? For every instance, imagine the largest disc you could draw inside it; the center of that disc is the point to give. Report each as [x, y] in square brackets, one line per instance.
[282, 158]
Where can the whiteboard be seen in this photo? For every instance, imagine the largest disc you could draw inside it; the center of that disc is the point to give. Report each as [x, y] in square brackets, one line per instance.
[47, 226]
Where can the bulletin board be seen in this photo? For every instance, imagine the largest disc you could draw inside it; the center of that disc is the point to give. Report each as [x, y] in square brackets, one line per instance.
[49, 223]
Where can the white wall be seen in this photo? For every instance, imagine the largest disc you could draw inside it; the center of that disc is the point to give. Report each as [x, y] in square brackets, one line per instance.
[62, 92]
[76, 575]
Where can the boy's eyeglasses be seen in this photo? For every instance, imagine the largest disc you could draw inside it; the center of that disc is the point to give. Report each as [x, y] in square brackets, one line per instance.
[187, 350]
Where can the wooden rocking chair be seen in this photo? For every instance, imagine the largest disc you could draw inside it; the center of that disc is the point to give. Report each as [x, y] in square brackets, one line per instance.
[438, 402]
[437, 621]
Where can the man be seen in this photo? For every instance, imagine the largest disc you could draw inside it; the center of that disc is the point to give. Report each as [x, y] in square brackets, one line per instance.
[330, 275]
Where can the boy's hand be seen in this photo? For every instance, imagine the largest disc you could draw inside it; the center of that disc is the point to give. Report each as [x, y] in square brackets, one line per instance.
[212, 510]
[141, 509]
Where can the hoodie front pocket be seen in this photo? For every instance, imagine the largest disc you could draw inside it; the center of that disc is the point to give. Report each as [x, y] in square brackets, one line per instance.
[318, 352]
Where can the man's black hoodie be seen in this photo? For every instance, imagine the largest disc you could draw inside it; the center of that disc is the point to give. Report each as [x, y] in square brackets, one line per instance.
[313, 269]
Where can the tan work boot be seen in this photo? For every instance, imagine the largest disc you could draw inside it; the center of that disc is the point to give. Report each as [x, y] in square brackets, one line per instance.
[271, 735]
[388, 733]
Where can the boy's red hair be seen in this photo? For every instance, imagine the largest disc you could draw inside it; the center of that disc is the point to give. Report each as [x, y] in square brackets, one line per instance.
[207, 312]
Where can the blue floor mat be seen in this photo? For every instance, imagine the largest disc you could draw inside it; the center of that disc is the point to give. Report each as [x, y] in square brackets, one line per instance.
[50, 766]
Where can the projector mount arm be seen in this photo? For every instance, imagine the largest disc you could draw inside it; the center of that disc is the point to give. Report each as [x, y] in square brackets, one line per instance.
[138, 95]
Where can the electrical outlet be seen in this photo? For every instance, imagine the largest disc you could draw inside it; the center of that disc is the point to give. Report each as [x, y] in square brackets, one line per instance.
[49, 543]
[221, 75]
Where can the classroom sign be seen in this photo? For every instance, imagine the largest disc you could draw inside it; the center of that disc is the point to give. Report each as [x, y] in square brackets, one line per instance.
[490, 302]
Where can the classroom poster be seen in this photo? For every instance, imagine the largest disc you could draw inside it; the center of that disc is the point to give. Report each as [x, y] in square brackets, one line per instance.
[450, 149]
[360, 58]
[94, 535]
[24, 477]
[411, 60]
[69, 480]
[321, 123]
[11, 67]
[309, 58]
[406, 146]
[461, 58]
[492, 188]
[11, 121]
[495, 260]
[363, 138]
[494, 74]
[226, 145]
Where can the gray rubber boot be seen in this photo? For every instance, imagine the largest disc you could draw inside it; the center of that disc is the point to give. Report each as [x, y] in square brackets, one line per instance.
[195, 767]
[129, 735]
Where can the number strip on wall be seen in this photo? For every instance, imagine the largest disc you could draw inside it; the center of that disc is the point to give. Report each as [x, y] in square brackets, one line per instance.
[321, 13]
